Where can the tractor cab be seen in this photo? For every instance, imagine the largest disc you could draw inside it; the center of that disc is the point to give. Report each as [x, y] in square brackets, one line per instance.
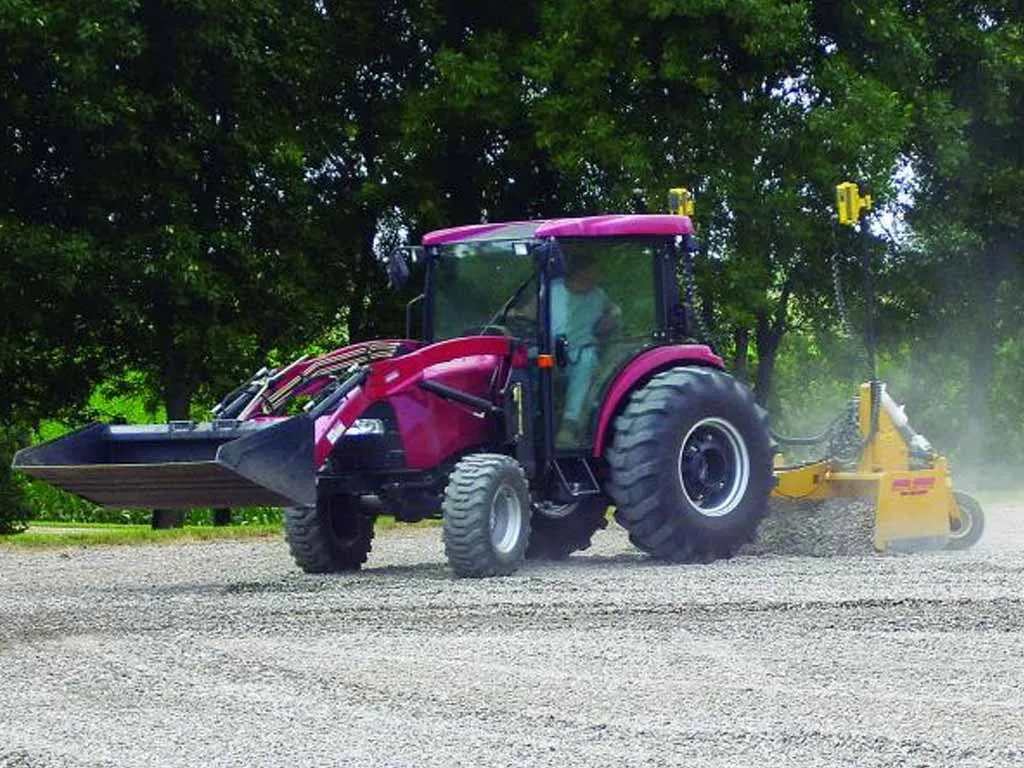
[585, 296]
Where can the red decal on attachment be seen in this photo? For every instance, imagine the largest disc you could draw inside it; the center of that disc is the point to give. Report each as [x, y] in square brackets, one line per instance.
[919, 486]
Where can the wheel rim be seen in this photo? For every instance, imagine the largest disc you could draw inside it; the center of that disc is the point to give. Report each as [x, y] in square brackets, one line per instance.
[714, 467]
[506, 519]
[961, 527]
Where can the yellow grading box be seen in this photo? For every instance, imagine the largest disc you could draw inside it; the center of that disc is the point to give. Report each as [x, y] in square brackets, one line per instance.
[916, 507]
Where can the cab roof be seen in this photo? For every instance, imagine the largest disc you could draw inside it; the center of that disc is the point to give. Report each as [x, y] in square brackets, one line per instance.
[614, 225]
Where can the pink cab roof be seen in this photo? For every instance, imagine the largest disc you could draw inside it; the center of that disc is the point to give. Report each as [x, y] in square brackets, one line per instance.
[614, 225]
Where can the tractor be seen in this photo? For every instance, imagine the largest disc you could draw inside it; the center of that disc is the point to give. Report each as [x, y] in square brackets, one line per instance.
[556, 375]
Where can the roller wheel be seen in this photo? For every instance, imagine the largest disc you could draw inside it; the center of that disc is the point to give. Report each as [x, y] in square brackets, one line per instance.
[486, 516]
[565, 529]
[965, 532]
[691, 465]
[334, 536]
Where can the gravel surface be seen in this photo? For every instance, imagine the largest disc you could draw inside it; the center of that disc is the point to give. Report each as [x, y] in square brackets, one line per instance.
[221, 653]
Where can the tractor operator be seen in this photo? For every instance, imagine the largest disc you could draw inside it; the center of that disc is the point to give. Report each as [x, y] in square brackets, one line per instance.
[581, 312]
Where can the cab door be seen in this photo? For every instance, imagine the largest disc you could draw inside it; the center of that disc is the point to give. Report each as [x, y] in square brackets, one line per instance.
[603, 307]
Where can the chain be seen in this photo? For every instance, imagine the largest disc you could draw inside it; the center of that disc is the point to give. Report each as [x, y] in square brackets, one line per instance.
[837, 287]
[841, 441]
[690, 282]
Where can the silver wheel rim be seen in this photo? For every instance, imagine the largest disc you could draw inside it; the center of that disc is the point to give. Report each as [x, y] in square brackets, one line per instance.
[506, 519]
[713, 467]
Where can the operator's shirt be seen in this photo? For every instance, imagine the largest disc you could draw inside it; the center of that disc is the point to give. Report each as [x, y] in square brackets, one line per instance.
[576, 314]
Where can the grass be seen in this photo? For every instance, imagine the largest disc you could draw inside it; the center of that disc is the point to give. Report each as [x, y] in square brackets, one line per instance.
[43, 534]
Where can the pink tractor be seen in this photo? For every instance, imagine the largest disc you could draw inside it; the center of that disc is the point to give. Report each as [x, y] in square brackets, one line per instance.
[556, 376]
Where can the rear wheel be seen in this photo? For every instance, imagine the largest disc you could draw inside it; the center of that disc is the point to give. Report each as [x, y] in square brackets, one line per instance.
[334, 536]
[486, 516]
[965, 532]
[691, 465]
[556, 531]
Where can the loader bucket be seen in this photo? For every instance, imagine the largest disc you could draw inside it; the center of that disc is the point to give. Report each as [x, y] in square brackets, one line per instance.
[181, 464]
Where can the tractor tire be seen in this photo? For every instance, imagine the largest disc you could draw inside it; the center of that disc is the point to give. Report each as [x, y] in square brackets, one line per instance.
[965, 532]
[334, 536]
[691, 465]
[486, 513]
[555, 538]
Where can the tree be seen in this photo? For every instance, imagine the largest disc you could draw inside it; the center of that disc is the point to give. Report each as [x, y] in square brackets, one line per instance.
[968, 205]
[753, 105]
[160, 150]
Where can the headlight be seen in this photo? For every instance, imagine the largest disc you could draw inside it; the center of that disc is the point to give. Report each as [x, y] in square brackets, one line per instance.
[365, 427]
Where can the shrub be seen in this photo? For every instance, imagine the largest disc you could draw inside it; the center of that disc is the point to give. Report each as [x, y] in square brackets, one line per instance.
[14, 508]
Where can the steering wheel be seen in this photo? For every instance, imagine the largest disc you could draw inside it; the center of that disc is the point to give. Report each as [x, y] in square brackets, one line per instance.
[515, 326]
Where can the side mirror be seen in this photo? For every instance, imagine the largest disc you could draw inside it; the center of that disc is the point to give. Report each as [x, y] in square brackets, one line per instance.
[399, 261]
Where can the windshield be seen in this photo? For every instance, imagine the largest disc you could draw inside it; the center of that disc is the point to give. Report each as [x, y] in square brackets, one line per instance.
[475, 281]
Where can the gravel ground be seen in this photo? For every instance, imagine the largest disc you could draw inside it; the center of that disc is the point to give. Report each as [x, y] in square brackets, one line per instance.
[221, 653]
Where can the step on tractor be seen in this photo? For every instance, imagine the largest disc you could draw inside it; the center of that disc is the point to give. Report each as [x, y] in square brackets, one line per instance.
[556, 375]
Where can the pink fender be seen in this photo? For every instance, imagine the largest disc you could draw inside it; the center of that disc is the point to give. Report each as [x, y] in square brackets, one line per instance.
[432, 428]
[642, 367]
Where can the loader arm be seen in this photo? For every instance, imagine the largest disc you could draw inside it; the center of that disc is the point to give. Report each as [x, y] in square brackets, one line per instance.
[308, 376]
[387, 378]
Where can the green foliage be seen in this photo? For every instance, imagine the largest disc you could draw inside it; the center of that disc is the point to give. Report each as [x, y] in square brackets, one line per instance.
[51, 535]
[49, 503]
[192, 189]
[15, 510]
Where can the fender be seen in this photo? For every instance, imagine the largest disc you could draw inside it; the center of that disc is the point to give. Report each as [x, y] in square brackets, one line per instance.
[395, 376]
[638, 370]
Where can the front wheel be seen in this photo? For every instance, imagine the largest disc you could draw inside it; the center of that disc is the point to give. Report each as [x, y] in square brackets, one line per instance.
[334, 536]
[691, 465]
[965, 532]
[486, 515]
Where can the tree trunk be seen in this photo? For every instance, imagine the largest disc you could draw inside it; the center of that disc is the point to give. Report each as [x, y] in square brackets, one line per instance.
[222, 516]
[177, 399]
[767, 342]
[360, 326]
[741, 348]
[768, 335]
